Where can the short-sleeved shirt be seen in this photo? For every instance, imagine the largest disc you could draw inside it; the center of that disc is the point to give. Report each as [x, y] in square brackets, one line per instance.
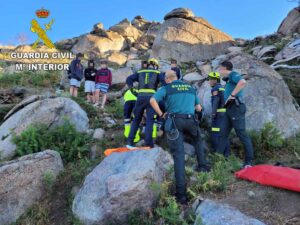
[179, 97]
[233, 79]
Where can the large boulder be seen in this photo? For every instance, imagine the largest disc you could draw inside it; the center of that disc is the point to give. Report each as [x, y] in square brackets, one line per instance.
[119, 185]
[146, 41]
[192, 39]
[291, 24]
[125, 29]
[22, 182]
[194, 76]
[267, 96]
[117, 58]
[180, 13]
[95, 44]
[120, 75]
[213, 213]
[50, 111]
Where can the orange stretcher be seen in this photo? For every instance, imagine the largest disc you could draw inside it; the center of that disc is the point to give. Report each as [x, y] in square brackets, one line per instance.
[107, 152]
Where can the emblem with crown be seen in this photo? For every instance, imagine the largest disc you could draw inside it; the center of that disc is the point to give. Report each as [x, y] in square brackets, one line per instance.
[42, 13]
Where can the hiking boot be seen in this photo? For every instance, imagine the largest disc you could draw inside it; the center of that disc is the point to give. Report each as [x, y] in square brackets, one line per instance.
[203, 169]
[182, 200]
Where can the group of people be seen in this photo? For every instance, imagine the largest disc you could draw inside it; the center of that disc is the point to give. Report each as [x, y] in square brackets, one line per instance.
[177, 104]
[97, 82]
[165, 100]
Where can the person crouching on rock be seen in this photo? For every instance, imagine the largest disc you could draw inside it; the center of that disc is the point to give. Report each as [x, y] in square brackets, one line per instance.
[76, 75]
[89, 85]
[103, 82]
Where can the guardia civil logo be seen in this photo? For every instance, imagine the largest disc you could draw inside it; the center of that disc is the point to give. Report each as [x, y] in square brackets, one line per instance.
[40, 31]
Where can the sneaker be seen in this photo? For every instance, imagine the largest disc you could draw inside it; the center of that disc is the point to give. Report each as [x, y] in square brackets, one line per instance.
[203, 169]
[96, 104]
[247, 165]
[129, 146]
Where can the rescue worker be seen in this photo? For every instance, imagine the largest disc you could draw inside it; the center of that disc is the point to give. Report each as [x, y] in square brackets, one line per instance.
[235, 112]
[218, 110]
[148, 80]
[130, 98]
[176, 69]
[181, 102]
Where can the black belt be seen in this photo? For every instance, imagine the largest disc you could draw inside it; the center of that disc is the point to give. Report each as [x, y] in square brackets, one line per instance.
[182, 116]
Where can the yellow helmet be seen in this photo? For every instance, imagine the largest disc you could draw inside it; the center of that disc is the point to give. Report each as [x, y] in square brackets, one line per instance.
[214, 75]
[153, 61]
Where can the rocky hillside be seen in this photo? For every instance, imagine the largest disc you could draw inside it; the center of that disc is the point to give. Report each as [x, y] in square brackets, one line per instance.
[52, 164]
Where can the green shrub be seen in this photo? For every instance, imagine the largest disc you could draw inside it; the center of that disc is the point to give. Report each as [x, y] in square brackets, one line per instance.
[115, 108]
[4, 110]
[170, 212]
[266, 142]
[30, 79]
[292, 144]
[49, 179]
[65, 139]
[219, 178]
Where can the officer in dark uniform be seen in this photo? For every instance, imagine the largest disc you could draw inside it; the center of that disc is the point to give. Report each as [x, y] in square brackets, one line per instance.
[181, 102]
[148, 80]
[176, 69]
[235, 111]
[218, 110]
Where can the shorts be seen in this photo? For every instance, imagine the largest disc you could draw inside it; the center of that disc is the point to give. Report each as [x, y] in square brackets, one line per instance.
[102, 87]
[89, 86]
[74, 82]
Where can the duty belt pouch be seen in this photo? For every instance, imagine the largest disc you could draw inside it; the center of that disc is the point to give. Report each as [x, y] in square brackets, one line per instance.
[229, 103]
[171, 129]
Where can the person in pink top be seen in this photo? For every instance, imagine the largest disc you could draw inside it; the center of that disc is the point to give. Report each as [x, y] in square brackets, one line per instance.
[103, 82]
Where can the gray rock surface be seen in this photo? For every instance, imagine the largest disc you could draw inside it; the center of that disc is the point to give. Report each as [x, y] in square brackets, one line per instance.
[120, 184]
[50, 111]
[125, 29]
[120, 75]
[189, 40]
[213, 213]
[22, 182]
[94, 44]
[99, 134]
[292, 49]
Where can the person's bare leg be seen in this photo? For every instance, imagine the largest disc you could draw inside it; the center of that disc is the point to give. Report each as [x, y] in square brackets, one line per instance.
[93, 97]
[104, 100]
[71, 90]
[75, 92]
[97, 96]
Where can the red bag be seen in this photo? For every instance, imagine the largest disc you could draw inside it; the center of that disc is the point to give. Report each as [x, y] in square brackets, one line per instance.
[275, 176]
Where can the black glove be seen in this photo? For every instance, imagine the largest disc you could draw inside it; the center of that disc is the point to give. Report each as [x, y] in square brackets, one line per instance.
[199, 115]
